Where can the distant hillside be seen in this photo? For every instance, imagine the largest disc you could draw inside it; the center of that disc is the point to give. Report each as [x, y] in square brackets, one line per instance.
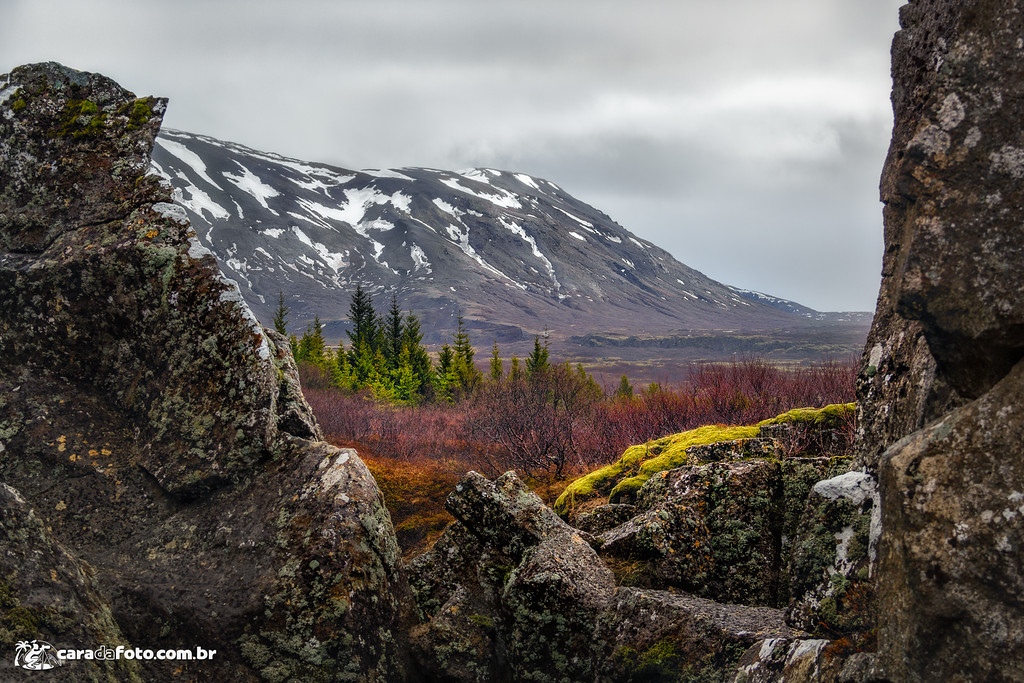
[516, 254]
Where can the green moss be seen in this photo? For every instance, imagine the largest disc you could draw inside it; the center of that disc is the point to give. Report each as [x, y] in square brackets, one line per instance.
[482, 620]
[638, 463]
[80, 118]
[624, 477]
[139, 112]
[18, 104]
[828, 417]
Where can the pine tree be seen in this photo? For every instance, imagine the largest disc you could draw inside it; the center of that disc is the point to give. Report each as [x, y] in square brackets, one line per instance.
[364, 334]
[419, 359]
[515, 372]
[625, 389]
[465, 371]
[391, 331]
[281, 315]
[312, 347]
[407, 382]
[537, 361]
[497, 371]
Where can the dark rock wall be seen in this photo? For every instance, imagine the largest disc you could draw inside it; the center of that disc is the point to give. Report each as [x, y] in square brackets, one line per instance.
[940, 389]
[156, 431]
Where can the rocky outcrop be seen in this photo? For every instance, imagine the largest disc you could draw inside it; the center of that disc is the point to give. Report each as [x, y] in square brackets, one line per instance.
[510, 575]
[156, 430]
[720, 530]
[941, 381]
[511, 592]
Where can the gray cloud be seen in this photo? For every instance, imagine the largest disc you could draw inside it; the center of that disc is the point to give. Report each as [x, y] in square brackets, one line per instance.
[744, 137]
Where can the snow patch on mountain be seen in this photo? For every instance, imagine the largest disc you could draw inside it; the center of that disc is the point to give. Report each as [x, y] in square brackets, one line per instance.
[199, 202]
[527, 180]
[518, 230]
[504, 199]
[251, 183]
[190, 158]
[335, 261]
[579, 220]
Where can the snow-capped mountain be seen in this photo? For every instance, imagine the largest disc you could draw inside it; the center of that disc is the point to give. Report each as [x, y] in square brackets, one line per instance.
[516, 254]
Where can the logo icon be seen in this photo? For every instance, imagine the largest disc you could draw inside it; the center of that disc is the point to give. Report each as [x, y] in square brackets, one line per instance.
[37, 655]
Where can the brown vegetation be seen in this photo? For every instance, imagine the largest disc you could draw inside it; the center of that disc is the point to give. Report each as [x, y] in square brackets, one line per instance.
[549, 426]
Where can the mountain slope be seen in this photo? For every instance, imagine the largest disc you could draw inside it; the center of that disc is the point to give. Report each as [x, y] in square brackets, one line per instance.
[515, 254]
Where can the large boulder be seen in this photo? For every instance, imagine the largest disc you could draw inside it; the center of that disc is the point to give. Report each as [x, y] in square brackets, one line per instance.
[721, 530]
[952, 543]
[940, 384]
[510, 591]
[830, 571]
[156, 429]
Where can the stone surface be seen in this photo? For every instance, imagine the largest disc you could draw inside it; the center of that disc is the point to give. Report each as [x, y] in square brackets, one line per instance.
[952, 543]
[940, 384]
[805, 661]
[157, 429]
[721, 530]
[48, 594]
[952, 186]
[604, 518]
[658, 636]
[513, 578]
[831, 592]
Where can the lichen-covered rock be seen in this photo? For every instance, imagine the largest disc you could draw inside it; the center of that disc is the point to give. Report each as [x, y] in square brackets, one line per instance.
[952, 186]
[833, 554]
[157, 429]
[938, 387]
[658, 636]
[457, 585]
[952, 543]
[553, 600]
[621, 481]
[97, 261]
[605, 517]
[48, 594]
[75, 150]
[721, 530]
[459, 642]
[511, 582]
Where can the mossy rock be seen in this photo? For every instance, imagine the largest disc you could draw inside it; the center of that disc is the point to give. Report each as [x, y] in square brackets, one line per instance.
[621, 480]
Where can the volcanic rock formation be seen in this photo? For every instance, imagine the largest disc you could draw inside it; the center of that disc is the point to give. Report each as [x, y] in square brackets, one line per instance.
[154, 442]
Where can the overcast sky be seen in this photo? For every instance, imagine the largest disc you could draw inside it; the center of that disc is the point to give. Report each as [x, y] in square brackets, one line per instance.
[745, 137]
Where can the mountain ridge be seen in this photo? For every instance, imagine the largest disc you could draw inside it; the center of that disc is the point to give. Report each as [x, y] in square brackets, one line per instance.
[513, 254]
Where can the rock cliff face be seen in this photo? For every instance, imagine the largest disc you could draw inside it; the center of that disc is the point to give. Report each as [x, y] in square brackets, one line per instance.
[942, 385]
[161, 468]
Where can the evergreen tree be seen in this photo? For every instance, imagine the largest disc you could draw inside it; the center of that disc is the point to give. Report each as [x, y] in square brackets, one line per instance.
[444, 374]
[419, 359]
[467, 376]
[281, 315]
[497, 371]
[364, 335]
[407, 382]
[312, 347]
[537, 361]
[392, 333]
[625, 389]
[515, 372]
